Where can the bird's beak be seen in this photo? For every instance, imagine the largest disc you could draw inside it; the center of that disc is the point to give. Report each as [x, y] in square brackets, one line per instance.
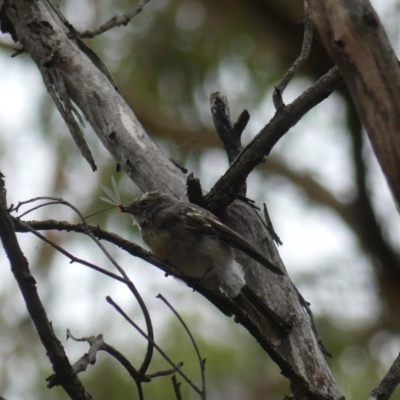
[132, 208]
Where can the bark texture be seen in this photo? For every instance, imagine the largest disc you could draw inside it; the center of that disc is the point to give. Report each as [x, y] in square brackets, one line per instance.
[352, 34]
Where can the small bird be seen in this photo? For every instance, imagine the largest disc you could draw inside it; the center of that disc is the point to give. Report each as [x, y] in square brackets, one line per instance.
[199, 245]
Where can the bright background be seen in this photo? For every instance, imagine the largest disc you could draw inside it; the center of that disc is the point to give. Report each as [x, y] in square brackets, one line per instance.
[166, 64]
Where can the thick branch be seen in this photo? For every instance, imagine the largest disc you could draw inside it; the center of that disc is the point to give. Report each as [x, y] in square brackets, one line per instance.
[352, 34]
[389, 383]
[89, 88]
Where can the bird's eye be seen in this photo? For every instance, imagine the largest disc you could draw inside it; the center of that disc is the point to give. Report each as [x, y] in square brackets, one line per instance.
[144, 202]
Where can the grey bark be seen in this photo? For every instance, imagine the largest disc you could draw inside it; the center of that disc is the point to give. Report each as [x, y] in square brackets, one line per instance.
[352, 34]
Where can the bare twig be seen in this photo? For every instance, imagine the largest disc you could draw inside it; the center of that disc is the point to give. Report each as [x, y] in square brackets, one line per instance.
[389, 383]
[177, 388]
[183, 375]
[229, 134]
[115, 21]
[96, 344]
[54, 200]
[301, 59]
[20, 268]
[136, 376]
[285, 118]
[35, 208]
[69, 255]
[170, 371]
[128, 282]
[202, 361]
[125, 363]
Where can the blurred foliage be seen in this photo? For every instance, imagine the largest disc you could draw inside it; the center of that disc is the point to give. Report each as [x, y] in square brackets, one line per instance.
[166, 62]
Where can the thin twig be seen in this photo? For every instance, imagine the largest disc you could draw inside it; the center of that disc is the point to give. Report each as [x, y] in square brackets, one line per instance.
[26, 282]
[183, 375]
[36, 208]
[125, 362]
[166, 372]
[69, 255]
[136, 376]
[128, 282]
[177, 388]
[202, 361]
[301, 59]
[115, 21]
[23, 203]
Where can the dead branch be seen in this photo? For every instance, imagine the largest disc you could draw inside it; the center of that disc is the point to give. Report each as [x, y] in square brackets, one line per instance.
[352, 34]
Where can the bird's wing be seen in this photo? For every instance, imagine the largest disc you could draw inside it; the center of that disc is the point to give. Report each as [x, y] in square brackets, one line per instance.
[204, 222]
[279, 323]
[229, 236]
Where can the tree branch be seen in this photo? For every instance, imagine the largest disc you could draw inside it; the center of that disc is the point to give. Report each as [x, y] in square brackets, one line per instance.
[389, 383]
[183, 375]
[286, 117]
[65, 375]
[352, 34]
[301, 59]
[115, 21]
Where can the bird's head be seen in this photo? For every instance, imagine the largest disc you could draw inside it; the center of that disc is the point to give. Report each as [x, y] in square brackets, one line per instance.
[143, 208]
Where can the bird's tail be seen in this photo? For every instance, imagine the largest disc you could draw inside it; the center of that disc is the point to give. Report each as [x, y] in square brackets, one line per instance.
[259, 312]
